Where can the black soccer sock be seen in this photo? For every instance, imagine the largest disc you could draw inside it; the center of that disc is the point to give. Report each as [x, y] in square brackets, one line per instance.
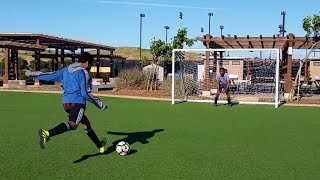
[229, 101]
[94, 138]
[228, 98]
[61, 128]
[216, 99]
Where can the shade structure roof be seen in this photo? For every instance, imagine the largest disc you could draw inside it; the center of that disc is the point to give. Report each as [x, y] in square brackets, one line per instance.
[51, 41]
[259, 42]
[22, 46]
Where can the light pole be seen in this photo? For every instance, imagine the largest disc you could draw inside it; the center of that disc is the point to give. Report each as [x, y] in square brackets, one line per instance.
[281, 30]
[166, 27]
[210, 14]
[221, 28]
[180, 17]
[141, 16]
[283, 13]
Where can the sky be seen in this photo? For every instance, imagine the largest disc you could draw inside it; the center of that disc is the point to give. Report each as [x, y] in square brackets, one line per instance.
[116, 22]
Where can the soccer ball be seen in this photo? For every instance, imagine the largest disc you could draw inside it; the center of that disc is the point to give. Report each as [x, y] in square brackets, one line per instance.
[123, 148]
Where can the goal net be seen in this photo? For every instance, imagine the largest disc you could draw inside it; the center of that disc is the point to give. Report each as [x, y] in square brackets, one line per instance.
[254, 75]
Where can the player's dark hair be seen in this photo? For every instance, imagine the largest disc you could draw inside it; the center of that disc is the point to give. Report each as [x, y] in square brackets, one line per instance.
[86, 57]
[221, 69]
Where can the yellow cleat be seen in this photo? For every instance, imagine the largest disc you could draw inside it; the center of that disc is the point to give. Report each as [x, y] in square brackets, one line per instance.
[102, 150]
[44, 137]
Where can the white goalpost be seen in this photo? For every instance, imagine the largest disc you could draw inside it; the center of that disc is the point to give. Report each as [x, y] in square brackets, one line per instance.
[254, 75]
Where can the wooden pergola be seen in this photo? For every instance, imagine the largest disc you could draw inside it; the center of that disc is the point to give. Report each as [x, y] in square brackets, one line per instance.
[286, 44]
[38, 43]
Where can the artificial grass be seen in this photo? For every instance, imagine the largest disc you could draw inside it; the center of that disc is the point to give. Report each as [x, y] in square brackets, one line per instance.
[198, 141]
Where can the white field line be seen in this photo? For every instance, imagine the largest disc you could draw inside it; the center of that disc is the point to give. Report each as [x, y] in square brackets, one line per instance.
[95, 94]
[133, 97]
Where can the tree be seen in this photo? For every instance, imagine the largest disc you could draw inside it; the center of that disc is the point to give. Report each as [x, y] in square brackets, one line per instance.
[311, 24]
[157, 49]
[143, 61]
[22, 65]
[181, 38]
[163, 51]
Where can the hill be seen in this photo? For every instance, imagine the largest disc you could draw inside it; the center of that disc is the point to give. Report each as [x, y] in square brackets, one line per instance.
[131, 53]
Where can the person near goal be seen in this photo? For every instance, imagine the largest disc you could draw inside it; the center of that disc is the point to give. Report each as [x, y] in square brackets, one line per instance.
[223, 82]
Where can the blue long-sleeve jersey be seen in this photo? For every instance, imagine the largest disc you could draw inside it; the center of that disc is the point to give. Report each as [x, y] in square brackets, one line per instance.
[76, 82]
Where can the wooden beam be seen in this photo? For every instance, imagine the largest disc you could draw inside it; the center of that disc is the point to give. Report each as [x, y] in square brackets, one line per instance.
[228, 44]
[306, 73]
[21, 46]
[206, 78]
[305, 42]
[6, 68]
[252, 39]
[62, 58]
[288, 70]
[98, 63]
[56, 58]
[261, 41]
[274, 41]
[49, 56]
[111, 64]
[235, 37]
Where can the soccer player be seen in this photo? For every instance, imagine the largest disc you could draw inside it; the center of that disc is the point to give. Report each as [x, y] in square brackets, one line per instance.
[77, 85]
[223, 82]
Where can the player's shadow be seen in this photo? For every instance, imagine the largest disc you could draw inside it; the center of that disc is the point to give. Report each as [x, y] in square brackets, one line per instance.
[131, 138]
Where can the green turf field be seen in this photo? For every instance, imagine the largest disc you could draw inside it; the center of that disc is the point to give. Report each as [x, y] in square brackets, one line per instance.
[198, 141]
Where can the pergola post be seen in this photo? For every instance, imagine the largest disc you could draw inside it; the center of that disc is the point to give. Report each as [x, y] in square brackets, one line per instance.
[16, 57]
[62, 58]
[287, 57]
[206, 78]
[56, 64]
[12, 69]
[6, 68]
[73, 58]
[306, 71]
[37, 62]
[221, 59]
[56, 58]
[111, 64]
[98, 63]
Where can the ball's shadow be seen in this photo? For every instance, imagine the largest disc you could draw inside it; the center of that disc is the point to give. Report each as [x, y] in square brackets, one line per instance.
[131, 138]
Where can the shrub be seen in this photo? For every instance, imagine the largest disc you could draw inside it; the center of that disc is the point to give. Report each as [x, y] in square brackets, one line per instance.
[132, 79]
[190, 86]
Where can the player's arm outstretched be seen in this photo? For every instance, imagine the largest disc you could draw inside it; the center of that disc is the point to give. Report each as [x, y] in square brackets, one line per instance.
[86, 90]
[46, 76]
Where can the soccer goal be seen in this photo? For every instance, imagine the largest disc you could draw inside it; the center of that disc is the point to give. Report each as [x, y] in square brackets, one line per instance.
[254, 75]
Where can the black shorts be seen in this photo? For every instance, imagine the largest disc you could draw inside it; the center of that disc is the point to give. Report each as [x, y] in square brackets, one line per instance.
[76, 112]
[223, 87]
